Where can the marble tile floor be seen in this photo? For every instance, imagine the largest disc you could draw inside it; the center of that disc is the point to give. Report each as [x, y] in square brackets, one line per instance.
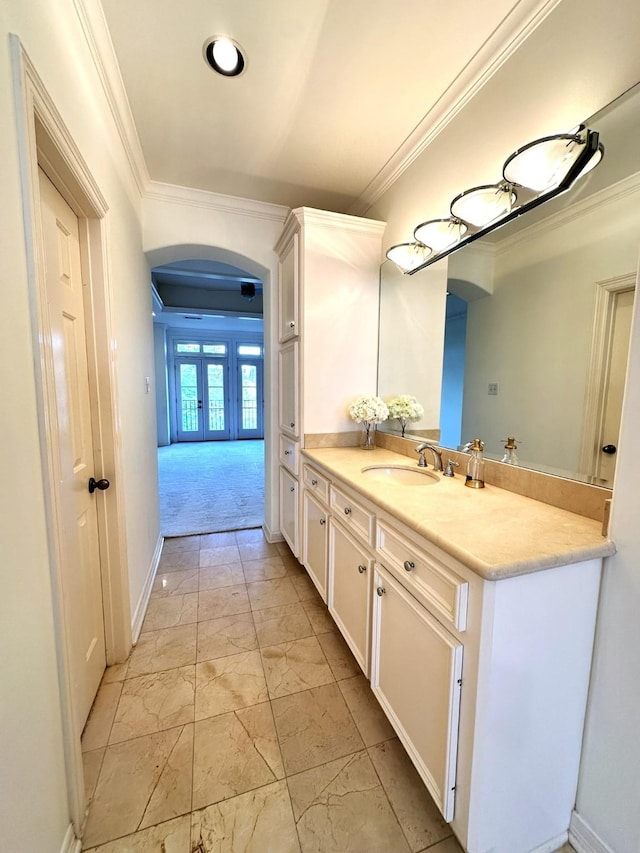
[242, 723]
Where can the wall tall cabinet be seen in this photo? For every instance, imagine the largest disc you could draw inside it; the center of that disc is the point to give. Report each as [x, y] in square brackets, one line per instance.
[327, 330]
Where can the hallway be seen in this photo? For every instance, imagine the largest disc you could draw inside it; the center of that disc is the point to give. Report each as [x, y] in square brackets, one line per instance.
[241, 722]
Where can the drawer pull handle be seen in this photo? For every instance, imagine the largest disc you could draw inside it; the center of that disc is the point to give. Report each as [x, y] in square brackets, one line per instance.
[347, 510]
[314, 482]
[323, 521]
[381, 590]
[409, 565]
[362, 569]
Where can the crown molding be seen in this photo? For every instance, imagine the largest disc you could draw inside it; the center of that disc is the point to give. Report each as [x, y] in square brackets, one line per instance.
[96, 33]
[598, 201]
[158, 191]
[508, 36]
[339, 221]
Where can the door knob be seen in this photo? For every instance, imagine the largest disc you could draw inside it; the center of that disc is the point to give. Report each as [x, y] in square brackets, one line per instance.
[610, 449]
[98, 484]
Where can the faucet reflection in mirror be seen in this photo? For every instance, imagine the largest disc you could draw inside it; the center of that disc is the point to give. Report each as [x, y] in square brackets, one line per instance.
[532, 175]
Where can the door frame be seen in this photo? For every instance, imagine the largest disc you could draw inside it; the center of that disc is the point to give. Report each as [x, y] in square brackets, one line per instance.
[607, 291]
[44, 140]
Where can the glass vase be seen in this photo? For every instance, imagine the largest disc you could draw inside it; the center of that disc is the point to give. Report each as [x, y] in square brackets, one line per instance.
[368, 438]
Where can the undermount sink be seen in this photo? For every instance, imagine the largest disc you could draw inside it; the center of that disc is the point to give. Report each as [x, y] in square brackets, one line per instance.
[400, 475]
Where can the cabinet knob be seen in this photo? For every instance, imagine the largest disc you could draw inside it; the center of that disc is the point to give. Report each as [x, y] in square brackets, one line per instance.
[408, 565]
[292, 424]
[314, 482]
[323, 521]
[362, 569]
[347, 510]
[287, 453]
[381, 590]
[292, 324]
[292, 488]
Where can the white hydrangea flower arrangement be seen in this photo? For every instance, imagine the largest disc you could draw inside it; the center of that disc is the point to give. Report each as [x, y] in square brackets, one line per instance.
[405, 408]
[368, 411]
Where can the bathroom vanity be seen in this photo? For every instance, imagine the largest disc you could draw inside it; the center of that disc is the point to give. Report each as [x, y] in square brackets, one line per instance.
[473, 615]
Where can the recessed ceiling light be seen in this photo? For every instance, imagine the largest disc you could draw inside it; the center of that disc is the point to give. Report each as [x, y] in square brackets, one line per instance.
[225, 56]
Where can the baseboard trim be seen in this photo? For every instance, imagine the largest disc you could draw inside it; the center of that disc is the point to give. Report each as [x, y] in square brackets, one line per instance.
[271, 535]
[583, 839]
[145, 595]
[553, 844]
[70, 843]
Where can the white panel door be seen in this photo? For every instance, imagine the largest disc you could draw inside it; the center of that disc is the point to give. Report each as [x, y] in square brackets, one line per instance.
[288, 399]
[416, 674]
[314, 542]
[80, 564]
[289, 509]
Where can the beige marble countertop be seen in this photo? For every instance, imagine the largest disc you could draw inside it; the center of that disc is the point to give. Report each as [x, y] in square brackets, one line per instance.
[496, 533]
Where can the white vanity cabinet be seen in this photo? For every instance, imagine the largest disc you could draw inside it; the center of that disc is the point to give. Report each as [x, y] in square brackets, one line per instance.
[315, 528]
[482, 673]
[327, 299]
[416, 675]
[350, 570]
[289, 489]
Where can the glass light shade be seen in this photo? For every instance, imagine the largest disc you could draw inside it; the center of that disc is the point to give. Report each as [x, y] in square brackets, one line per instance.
[481, 206]
[541, 165]
[408, 256]
[440, 234]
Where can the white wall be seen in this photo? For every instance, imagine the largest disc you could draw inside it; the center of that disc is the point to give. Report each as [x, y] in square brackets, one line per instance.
[181, 223]
[34, 813]
[578, 60]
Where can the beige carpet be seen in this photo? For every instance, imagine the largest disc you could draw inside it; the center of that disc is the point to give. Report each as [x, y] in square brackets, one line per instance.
[209, 486]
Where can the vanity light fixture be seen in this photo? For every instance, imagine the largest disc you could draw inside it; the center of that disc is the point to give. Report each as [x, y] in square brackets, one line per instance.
[440, 234]
[481, 206]
[534, 174]
[224, 55]
[542, 164]
[408, 256]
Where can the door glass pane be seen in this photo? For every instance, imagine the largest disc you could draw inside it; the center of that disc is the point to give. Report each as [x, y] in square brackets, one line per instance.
[249, 392]
[215, 349]
[249, 349]
[215, 385]
[189, 397]
[188, 348]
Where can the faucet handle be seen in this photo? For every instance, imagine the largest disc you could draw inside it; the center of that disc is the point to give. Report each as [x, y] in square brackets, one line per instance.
[448, 471]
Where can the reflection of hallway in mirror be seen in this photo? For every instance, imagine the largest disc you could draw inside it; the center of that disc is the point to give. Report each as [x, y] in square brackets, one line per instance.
[455, 331]
[210, 486]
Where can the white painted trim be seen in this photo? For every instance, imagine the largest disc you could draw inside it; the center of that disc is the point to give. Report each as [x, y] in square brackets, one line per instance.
[583, 839]
[43, 137]
[508, 36]
[175, 194]
[598, 201]
[96, 33]
[553, 844]
[143, 602]
[603, 316]
[338, 221]
[70, 843]
[272, 535]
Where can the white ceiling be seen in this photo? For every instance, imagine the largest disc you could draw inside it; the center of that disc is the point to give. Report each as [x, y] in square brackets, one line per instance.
[333, 90]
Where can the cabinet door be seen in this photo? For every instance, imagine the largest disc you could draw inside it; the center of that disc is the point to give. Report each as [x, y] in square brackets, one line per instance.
[288, 389]
[314, 542]
[288, 288]
[349, 598]
[289, 509]
[416, 675]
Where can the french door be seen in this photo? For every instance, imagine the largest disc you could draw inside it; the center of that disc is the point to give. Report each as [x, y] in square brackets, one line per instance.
[202, 392]
[249, 398]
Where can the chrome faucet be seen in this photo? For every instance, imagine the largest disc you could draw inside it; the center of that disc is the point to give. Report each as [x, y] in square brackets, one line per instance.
[437, 456]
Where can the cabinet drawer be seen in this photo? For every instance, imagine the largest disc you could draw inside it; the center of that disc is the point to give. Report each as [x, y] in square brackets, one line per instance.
[316, 483]
[352, 514]
[289, 453]
[440, 590]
